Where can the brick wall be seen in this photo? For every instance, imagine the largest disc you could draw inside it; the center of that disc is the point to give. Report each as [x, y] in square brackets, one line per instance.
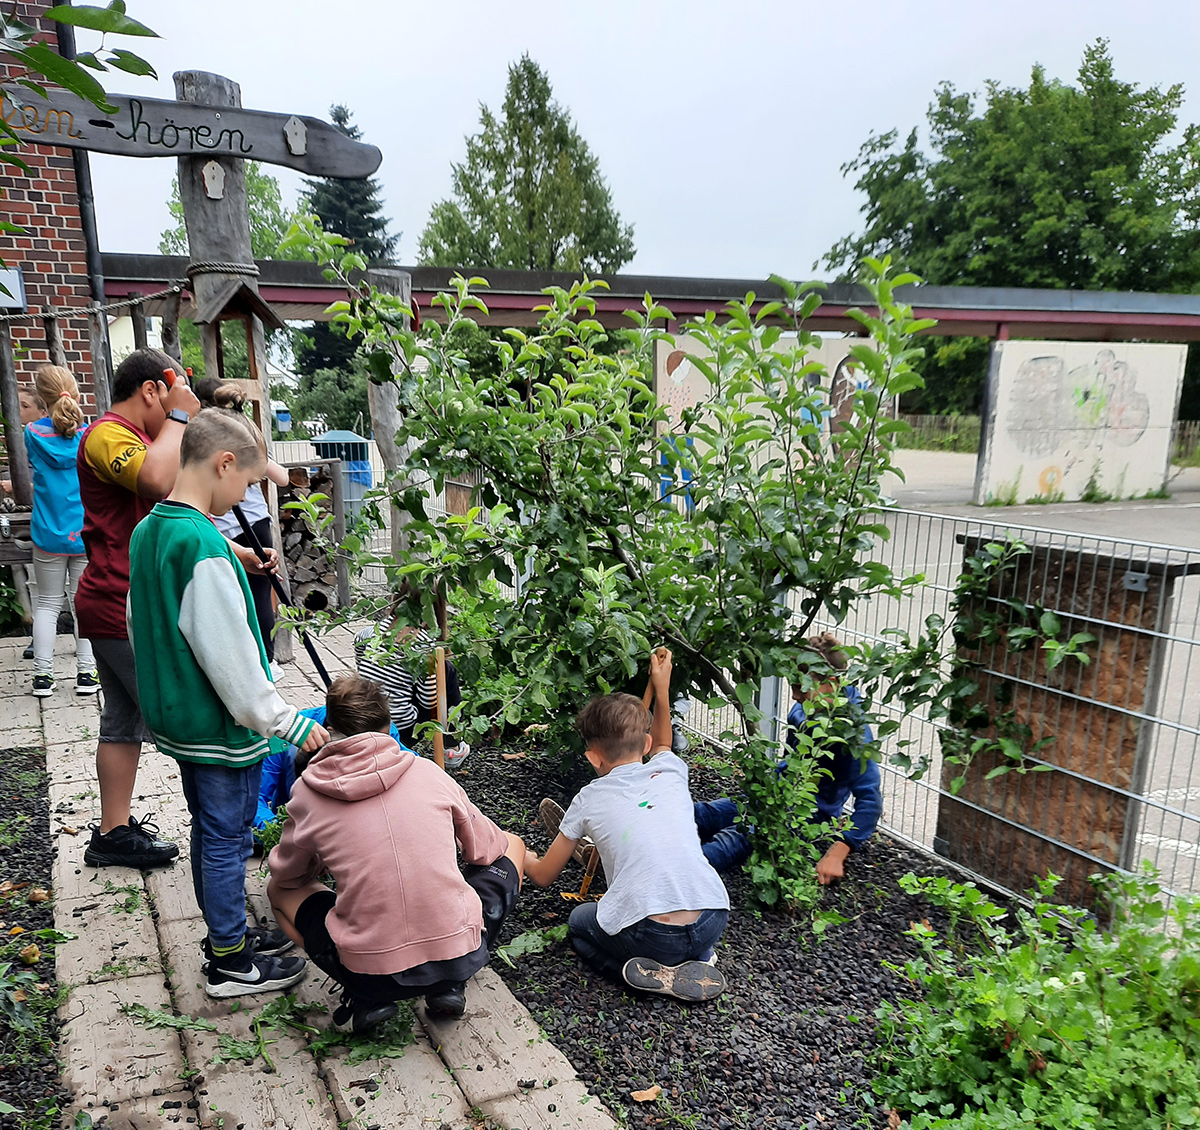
[51, 253]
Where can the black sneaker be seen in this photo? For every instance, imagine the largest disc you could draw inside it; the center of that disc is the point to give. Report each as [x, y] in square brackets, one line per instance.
[43, 686]
[28, 652]
[691, 981]
[351, 1016]
[242, 973]
[136, 845]
[66, 623]
[87, 682]
[270, 943]
[448, 999]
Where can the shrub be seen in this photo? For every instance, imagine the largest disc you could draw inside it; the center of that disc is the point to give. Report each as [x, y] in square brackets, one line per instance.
[1052, 1021]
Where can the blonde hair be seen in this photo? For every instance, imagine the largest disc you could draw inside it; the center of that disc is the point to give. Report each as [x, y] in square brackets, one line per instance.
[219, 429]
[59, 394]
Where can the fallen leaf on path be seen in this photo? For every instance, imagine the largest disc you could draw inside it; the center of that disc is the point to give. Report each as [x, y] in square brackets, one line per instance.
[518, 755]
[39, 894]
[15, 931]
[42, 986]
[31, 955]
[70, 831]
[19, 996]
[5, 887]
[646, 1096]
[893, 1119]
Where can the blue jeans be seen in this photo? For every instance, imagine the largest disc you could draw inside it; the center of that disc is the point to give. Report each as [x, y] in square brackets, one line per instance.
[222, 803]
[725, 845]
[670, 945]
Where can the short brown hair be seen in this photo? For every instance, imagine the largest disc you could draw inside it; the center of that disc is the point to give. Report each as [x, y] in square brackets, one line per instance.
[822, 654]
[354, 705]
[614, 724]
[220, 429]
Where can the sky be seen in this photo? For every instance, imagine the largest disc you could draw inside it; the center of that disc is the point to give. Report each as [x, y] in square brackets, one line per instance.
[721, 128]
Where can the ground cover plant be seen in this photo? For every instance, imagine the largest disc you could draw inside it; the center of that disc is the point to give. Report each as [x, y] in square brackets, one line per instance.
[1048, 1020]
[30, 1094]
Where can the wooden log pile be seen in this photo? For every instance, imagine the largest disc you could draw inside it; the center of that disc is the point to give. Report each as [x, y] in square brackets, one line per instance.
[314, 580]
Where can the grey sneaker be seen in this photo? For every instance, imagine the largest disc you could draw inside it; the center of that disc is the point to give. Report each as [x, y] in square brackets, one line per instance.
[693, 981]
[551, 814]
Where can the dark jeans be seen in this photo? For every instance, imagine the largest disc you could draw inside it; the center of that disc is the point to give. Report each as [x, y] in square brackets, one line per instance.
[670, 945]
[260, 587]
[223, 803]
[453, 698]
[725, 845]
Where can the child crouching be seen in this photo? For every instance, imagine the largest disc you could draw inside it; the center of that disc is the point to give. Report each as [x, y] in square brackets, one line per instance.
[665, 907]
[405, 922]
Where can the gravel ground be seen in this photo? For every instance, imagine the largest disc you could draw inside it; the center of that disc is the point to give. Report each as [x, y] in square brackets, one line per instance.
[784, 1047]
[28, 1070]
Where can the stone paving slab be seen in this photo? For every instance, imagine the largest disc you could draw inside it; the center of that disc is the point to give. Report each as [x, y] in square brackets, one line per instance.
[108, 945]
[495, 1044]
[171, 891]
[160, 1112]
[565, 1105]
[414, 1090]
[108, 1056]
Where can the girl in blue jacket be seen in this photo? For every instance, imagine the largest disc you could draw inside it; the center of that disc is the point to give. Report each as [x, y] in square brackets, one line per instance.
[52, 444]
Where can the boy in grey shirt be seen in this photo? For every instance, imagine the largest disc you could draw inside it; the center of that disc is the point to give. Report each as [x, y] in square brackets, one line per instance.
[665, 907]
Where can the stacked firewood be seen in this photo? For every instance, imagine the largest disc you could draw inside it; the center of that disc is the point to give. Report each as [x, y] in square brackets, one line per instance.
[314, 581]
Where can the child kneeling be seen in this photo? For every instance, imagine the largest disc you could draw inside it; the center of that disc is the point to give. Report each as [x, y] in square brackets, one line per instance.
[404, 922]
[665, 907]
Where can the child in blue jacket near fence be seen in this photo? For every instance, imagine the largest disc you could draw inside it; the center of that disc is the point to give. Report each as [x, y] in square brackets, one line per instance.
[279, 771]
[849, 774]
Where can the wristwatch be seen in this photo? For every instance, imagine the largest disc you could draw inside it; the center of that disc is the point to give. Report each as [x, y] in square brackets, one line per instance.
[179, 416]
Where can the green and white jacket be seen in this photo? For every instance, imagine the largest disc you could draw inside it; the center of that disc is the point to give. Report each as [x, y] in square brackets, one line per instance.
[204, 684]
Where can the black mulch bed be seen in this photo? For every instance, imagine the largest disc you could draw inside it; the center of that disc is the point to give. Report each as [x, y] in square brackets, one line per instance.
[29, 1073]
[784, 1047]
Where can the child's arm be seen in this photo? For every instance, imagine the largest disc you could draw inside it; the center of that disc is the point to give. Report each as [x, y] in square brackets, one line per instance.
[660, 681]
[277, 474]
[293, 866]
[868, 807]
[212, 618]
[545, 870]
[481, 839]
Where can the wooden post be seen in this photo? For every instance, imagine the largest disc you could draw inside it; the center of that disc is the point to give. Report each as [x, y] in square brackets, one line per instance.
[54, 342]
[439, 736]
[101, 361]
[384, 403]
[137, 315]
[337, 499]
[170, 328]
[14, 431]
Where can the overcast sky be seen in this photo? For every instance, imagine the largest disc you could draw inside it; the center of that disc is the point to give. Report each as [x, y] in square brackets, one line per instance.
[720, 127]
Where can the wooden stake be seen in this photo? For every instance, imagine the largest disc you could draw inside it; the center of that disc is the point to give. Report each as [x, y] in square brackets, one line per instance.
[439, 737]
[14, 430]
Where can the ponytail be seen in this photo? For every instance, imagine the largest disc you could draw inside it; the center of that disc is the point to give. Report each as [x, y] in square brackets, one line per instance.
[59, 394]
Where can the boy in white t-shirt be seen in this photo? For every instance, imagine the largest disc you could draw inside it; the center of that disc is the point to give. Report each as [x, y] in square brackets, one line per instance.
[665, 907]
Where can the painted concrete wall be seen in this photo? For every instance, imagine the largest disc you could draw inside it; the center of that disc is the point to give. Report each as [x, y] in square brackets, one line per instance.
[1067, 418]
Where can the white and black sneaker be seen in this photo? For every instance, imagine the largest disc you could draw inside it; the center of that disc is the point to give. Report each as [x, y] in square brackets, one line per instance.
[243, 973]
[259, 939]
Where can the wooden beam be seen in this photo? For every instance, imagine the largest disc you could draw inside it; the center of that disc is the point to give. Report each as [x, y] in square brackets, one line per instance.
[101, 359]
[158, 127]
[137, 315]
[54, 342]
[170, 328]
[14, 430]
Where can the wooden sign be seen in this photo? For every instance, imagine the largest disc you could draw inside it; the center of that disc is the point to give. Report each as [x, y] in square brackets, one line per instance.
[155, 127]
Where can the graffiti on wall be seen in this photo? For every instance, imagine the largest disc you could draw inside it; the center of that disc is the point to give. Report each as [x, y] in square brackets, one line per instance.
[1072, 420]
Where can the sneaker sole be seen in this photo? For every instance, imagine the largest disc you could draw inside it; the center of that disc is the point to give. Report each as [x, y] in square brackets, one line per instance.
[693, 981]
[550, 815]
[227, 989]
[87, 690]
[139, 863]
[43, 692]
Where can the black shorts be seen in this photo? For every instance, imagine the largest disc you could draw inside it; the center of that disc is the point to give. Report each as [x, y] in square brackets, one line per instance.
[497, 885]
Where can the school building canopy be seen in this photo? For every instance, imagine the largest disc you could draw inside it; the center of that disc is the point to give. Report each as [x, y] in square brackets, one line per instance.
[299, 292]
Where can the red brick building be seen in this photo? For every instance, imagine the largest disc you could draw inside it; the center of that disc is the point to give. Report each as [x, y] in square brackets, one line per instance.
[51, 253]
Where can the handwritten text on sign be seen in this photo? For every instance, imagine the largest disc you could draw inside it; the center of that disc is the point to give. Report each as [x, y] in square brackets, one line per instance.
[154, 127]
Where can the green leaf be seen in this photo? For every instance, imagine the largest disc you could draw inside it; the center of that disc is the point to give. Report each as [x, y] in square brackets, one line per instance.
[130, 63]
[111, 20]
[1049, 624]
[38, 57]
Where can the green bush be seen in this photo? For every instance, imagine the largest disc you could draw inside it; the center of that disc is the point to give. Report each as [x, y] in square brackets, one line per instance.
[1052, 1021]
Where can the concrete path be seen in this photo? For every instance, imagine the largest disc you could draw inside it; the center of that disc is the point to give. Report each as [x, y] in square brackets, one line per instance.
[137, 942]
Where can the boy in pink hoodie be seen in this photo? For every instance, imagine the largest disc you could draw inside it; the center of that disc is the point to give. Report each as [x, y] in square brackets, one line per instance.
[404, 922]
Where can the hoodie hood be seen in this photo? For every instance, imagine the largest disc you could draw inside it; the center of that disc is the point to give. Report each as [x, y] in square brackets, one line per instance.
[355, 768]
[57, 451]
